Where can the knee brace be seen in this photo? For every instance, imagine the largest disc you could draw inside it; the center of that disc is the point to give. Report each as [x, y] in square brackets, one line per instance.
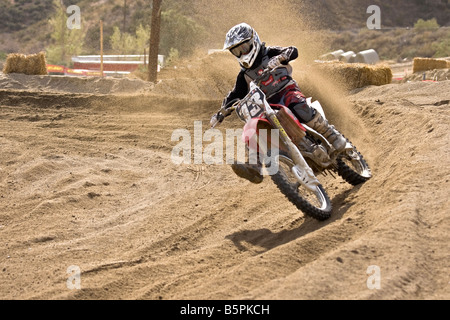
[303, 111]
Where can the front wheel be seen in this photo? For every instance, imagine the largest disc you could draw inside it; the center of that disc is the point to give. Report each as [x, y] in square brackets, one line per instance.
[315, 204]
[353, 168]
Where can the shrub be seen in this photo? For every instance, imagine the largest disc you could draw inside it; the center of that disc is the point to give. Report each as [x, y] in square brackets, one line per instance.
[442, 48]
[422, 25]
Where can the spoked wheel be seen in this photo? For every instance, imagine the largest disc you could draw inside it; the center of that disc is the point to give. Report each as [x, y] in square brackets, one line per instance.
[353, 168]
[315, 204]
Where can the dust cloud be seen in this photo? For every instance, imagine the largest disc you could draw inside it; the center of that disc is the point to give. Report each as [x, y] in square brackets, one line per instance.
[278, 23]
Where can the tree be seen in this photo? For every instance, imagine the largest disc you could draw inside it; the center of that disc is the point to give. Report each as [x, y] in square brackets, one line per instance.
[124, 16]
[422, 25]
[442, 48]
[126, 43]
[66, 42]
[142, 39]
[154, 41]
[179, 32]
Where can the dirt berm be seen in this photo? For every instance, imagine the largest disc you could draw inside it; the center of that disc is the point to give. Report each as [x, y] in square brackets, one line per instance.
[87, 183]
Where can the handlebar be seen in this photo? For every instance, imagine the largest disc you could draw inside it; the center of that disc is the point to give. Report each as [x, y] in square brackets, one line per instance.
[224, 111]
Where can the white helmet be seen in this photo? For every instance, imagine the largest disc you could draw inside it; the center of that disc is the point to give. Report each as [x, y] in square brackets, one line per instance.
[244, 43]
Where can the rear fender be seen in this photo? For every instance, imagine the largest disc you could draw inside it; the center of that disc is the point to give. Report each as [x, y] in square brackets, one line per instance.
[316, 105]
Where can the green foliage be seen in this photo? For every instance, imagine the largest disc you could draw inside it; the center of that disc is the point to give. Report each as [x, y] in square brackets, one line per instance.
[174, 56]
[179, 32]
[116, 40]
[142, 38]
[422, 25]
[126, 43]
[442, 48]
[65, 42]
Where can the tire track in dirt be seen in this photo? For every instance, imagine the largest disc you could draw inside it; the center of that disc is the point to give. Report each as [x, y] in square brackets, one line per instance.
[155, 230]
[200, 239]
[201, 233]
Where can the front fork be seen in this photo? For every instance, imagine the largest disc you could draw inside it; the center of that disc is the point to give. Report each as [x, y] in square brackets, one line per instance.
[301, 170]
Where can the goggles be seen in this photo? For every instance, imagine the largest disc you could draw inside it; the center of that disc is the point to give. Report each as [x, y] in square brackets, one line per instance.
[242, 49]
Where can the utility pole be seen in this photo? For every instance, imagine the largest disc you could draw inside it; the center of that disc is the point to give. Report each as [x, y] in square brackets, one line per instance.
[124, 16]
[101, 48]
[154, 41]
[63, 32]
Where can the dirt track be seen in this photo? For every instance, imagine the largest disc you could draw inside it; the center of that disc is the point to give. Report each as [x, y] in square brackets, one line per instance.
[86, 180]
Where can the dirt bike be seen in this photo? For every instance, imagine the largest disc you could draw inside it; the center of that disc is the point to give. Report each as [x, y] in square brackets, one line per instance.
[303, 153]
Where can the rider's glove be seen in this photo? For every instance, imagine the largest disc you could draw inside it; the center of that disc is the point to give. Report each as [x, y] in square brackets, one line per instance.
[216, 119]
[276, 61]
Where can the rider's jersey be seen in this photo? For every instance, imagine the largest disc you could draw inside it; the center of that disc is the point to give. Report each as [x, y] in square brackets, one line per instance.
[274, 83]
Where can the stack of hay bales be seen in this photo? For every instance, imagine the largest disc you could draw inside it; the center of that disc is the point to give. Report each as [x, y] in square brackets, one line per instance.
[335, 55]
[33, 64]
[426, 64]
[356, 75]
[367, 56]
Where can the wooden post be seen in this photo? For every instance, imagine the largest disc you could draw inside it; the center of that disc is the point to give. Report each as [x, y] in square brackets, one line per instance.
[154, 42]
[145, 58]
[101, 48]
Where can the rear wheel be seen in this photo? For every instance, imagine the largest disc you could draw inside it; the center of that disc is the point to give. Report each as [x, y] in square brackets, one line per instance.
[315, 204]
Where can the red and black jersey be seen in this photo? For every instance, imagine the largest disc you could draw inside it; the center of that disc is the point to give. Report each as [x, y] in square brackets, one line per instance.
[279, 79]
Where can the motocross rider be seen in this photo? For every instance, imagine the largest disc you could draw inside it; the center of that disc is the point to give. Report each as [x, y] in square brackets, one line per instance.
[253, 56]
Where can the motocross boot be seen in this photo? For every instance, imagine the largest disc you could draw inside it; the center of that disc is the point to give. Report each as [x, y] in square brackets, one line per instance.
[251, 172]
[333, 136]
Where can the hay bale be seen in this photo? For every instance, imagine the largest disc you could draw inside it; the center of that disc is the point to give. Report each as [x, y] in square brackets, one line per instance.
[356, 75]
[348, 56]
[368, 57]
[433, 75]
[426, 64]
[335, 55]
[33, 64]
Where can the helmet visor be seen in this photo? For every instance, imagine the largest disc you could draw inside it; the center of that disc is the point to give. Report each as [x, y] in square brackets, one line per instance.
[242, 49]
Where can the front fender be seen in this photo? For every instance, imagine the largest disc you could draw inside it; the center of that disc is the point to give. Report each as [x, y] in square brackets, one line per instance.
[252, 132]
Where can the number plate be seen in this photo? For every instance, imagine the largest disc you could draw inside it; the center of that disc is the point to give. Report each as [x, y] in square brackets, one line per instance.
[252, 106]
